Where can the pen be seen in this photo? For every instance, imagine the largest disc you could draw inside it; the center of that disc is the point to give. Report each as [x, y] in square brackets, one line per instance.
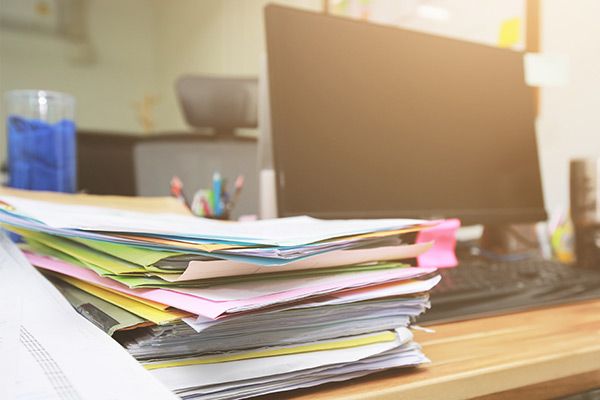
[177, 190]
[239, 184]
[197, 207]
[224, 194]
[205, 207]
[210, 201]
[217, 193]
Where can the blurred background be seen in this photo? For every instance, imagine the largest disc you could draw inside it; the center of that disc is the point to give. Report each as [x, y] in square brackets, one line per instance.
[120, 58]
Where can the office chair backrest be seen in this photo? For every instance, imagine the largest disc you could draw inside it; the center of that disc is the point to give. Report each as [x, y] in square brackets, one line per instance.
[222, 103]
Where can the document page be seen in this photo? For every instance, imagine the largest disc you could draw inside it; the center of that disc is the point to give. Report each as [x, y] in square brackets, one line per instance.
[50, 352]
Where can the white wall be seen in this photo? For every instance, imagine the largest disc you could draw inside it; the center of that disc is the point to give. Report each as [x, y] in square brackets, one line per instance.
[208, 37]
[141, 47]
[569, 123]
[476, 21]
[121, 35]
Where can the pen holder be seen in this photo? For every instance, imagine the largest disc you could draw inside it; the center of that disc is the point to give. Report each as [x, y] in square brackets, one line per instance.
[200, 207]
[214, 203]
[222, 217]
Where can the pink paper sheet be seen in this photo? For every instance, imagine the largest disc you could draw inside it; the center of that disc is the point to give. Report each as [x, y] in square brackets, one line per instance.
[213, 309]
[442, 254]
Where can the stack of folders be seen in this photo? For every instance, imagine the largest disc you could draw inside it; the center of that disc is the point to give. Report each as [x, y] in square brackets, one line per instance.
[227, 310]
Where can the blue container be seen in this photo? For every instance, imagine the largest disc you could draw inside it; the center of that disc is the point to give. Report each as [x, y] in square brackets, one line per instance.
[41, 141]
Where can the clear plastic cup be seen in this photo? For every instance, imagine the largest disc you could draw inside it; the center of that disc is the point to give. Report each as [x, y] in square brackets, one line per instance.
[41, 140]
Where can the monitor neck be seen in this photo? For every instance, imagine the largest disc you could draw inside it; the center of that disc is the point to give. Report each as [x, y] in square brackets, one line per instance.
[509, 238]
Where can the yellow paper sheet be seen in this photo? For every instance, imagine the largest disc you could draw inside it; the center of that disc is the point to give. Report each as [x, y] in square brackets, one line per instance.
[149, 303]
[303, 348]
[208, 247]
[99, 291]
[136, 307]
[142, 204]
[382, 234]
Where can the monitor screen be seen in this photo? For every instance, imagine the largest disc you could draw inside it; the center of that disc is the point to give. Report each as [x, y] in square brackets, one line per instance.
[370, 121]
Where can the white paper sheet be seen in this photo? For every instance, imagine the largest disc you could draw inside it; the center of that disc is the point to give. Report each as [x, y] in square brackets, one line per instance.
[78, 360]
[399, 289]
[379, 320]
[394, 358]
[212, 374]
[223, 268]
[255, 289]
[396, 289]
[148, 348]
[278, 232]
[10, 322]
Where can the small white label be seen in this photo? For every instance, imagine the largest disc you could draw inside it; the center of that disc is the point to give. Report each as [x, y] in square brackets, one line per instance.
[546, 70]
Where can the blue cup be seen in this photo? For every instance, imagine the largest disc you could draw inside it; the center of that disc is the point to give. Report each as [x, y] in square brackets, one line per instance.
[41, 141]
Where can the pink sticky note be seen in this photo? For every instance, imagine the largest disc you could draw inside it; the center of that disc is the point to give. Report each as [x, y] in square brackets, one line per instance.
[442, 254]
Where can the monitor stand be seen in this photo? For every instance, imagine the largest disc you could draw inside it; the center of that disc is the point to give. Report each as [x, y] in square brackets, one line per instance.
[510, 239]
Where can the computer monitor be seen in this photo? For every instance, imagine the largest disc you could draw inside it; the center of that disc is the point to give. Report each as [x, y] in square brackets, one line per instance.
[372, 121]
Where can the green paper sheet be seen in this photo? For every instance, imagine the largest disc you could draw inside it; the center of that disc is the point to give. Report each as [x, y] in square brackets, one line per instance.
[83, 253]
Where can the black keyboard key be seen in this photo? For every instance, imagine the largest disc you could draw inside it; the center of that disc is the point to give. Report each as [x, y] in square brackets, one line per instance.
[480, 287]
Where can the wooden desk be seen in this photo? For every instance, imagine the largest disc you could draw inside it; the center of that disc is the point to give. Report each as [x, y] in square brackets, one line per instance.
[530, 355]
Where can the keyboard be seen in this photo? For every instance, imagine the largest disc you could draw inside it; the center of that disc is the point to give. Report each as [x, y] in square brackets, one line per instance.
[480, 287]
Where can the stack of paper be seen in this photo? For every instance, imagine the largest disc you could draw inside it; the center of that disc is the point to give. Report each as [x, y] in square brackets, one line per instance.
[223, 310]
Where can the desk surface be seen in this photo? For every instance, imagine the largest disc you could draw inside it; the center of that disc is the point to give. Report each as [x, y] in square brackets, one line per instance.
[494, 355]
